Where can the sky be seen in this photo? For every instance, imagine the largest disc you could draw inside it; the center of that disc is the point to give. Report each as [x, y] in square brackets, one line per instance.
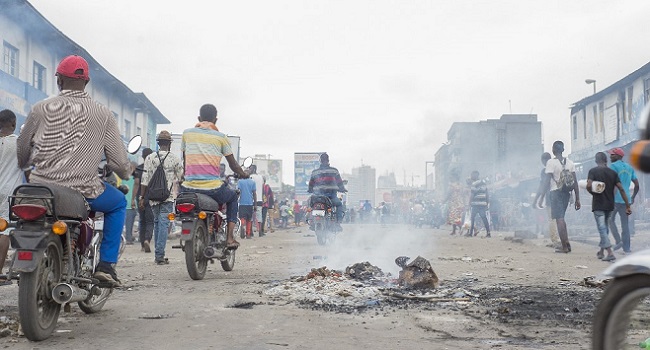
[372, 82]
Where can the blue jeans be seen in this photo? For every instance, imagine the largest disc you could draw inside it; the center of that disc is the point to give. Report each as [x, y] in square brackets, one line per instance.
[620, 209]
[128, 225]
[161, 226]
[602, 222]
[113, 204]
[221, 195]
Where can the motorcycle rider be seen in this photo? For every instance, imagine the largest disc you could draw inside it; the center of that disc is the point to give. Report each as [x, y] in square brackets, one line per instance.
[65, 137]
[327, 181]
[203, 147]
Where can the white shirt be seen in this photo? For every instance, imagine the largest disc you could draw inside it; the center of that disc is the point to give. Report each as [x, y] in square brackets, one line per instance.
[554, 167]
[259, 185]
[10, 174]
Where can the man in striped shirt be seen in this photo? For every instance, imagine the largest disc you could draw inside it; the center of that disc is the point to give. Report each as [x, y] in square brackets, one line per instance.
[327, 181]
[65, 138]
[203, 147]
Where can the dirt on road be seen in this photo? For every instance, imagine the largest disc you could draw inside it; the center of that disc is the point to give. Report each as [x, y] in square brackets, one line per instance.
[493, 293]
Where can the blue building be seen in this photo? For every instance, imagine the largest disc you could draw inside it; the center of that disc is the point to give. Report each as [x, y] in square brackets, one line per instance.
[32, 48]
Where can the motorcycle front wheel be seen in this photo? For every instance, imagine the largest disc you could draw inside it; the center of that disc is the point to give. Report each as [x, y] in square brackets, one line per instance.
[195, 259]
[621, 318]
[38, 311]
[95, 303]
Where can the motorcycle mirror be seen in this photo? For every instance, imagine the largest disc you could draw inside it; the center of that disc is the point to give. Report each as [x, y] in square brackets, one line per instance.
[134, 144]
[248, 161]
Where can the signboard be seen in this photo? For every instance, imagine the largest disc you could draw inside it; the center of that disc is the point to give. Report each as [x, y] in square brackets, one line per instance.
[271, 169]
[304, 164]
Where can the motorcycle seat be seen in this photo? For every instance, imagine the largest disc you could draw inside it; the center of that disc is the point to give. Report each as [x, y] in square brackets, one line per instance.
[200, 200]
[67, 204]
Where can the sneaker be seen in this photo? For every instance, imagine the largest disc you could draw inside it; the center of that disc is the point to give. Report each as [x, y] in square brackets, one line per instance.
[618, 246]
[106, 273]
[163, 261]
[609, 258]
[262, 235]
[600, 254]
[627, 252]
[147, 247]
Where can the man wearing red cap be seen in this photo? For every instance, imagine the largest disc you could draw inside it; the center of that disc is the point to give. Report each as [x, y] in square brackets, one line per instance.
[627, 175]
[86, 132]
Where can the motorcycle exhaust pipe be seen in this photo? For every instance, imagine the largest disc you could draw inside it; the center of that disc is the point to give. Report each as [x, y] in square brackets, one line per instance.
[64, 293]
[212, 253]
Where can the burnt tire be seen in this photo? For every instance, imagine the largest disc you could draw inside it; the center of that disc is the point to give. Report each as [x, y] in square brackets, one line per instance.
[37, 309]
[613, 316]
[195, 259]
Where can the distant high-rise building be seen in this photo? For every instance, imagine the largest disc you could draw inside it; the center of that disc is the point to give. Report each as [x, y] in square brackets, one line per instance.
[361, 185]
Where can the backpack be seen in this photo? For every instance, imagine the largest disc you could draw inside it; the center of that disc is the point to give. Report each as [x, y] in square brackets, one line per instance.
[158, 190]
[565, 183]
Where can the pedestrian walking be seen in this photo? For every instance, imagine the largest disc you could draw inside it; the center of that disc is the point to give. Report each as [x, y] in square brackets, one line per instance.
[173, 170]
[247, 205]
[267, 202]
[601, 182]
[561, 180]
[479, 203]
[552, 224]
[10, 177]
[456, 203]
[145, 214]
[296, 213]
[131, 210]
[259, 199]
[627, 176]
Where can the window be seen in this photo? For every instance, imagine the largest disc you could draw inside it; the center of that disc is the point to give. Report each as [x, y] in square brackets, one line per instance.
[601, 115]
[630, 91]
[127, 129]
[596, 123]
[575, 127]
[584, 123]
[38, 80]
[10, 59]
[138, 131]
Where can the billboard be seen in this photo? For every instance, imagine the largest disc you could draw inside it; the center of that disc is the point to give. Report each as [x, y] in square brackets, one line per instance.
[271, 169]
[304, 164]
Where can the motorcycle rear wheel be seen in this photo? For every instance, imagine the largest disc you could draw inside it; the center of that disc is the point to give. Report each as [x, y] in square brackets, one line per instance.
[620, 320]
[38, 312]
[195, 259]
[321, 235]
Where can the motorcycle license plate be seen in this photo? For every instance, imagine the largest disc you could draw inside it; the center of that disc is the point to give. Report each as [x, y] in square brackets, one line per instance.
[318, 212]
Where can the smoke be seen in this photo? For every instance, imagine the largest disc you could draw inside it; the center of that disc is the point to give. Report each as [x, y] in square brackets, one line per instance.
[377, 245]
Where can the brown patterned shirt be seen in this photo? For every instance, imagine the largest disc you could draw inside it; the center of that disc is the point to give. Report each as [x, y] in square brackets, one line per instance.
[65, 138]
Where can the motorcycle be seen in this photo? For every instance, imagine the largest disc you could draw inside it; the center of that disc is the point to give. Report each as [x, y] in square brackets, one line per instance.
[203, 231]
[620, 320]
[57, 251]
[322, 219]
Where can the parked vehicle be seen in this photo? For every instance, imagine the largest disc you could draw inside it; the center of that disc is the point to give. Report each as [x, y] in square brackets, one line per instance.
[321, 219]
[203, 231]
[57, 252]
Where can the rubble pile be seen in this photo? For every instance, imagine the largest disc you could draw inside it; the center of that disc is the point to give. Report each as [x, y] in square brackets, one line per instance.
[418, 274]
[326, 288]
[365, 271]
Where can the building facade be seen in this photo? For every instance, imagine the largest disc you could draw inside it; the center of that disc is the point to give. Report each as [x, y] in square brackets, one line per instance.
[32, 48]
[609, 119]
[506, 148]
[361, 186]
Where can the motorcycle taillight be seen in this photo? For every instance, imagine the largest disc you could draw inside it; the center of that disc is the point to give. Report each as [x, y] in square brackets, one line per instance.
[29, 212]
[185, 207]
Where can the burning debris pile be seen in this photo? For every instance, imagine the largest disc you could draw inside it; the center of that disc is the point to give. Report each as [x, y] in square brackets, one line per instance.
[364, 285]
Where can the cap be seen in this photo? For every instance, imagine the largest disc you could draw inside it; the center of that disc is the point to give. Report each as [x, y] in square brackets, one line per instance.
[617, 151]
[164, 135]
[74, 67]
